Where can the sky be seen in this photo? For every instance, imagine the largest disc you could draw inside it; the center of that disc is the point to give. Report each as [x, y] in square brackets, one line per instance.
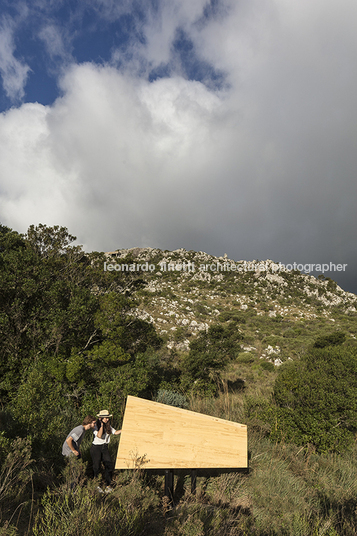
[224, 126]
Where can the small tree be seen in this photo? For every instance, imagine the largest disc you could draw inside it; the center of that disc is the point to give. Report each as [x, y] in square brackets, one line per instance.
[209, 354]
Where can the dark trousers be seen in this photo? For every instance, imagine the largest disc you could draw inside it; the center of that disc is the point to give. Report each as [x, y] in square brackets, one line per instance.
[100, 453]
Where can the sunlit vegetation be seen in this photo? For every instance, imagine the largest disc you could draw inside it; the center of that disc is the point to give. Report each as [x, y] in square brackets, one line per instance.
[278, 355]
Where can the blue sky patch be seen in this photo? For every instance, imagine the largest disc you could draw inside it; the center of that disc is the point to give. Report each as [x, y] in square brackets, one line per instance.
[39, 42]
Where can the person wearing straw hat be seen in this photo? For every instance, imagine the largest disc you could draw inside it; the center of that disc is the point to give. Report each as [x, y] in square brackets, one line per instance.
[99, 449]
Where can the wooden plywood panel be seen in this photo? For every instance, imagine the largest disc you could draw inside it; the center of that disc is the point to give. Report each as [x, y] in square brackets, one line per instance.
[164, 437]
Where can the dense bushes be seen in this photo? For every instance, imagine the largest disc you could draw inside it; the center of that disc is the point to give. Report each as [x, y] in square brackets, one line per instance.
[69, 342]
[317, 399]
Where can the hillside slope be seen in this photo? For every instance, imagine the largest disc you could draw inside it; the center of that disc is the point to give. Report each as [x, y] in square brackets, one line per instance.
[279, 312]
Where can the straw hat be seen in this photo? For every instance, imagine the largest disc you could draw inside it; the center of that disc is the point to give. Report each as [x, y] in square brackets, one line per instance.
[104, 413]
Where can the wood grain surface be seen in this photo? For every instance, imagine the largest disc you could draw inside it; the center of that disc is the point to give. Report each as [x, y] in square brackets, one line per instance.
[158, 436]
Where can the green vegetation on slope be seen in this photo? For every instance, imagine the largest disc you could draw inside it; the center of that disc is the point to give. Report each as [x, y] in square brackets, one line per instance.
[274, 351]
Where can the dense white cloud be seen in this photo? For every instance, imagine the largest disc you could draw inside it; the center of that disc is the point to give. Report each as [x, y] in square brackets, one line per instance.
[33, 185]
[117, 149]
[264, 168]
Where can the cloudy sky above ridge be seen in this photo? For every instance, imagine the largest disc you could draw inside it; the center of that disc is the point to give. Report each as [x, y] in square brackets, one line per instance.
[228, 126]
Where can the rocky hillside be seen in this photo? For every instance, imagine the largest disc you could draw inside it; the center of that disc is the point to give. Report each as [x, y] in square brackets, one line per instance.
[278, 311]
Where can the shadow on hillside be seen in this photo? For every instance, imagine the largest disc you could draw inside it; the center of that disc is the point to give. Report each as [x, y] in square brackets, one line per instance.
[236, 385]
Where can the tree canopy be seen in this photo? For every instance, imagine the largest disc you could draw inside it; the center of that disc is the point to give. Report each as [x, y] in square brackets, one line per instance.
[69, 336]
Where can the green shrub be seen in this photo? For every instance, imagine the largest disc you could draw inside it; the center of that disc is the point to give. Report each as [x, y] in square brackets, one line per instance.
[172, 398]
[334, 339]
[209, 353]
[181, 334]
[39, 407]
[266, 365]
[245, 357]
[200, 309]
[317, 399]
[273, 340]
[260, 414]
[227, 316]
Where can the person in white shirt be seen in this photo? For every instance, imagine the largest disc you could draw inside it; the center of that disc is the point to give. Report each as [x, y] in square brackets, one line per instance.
[99, 449]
